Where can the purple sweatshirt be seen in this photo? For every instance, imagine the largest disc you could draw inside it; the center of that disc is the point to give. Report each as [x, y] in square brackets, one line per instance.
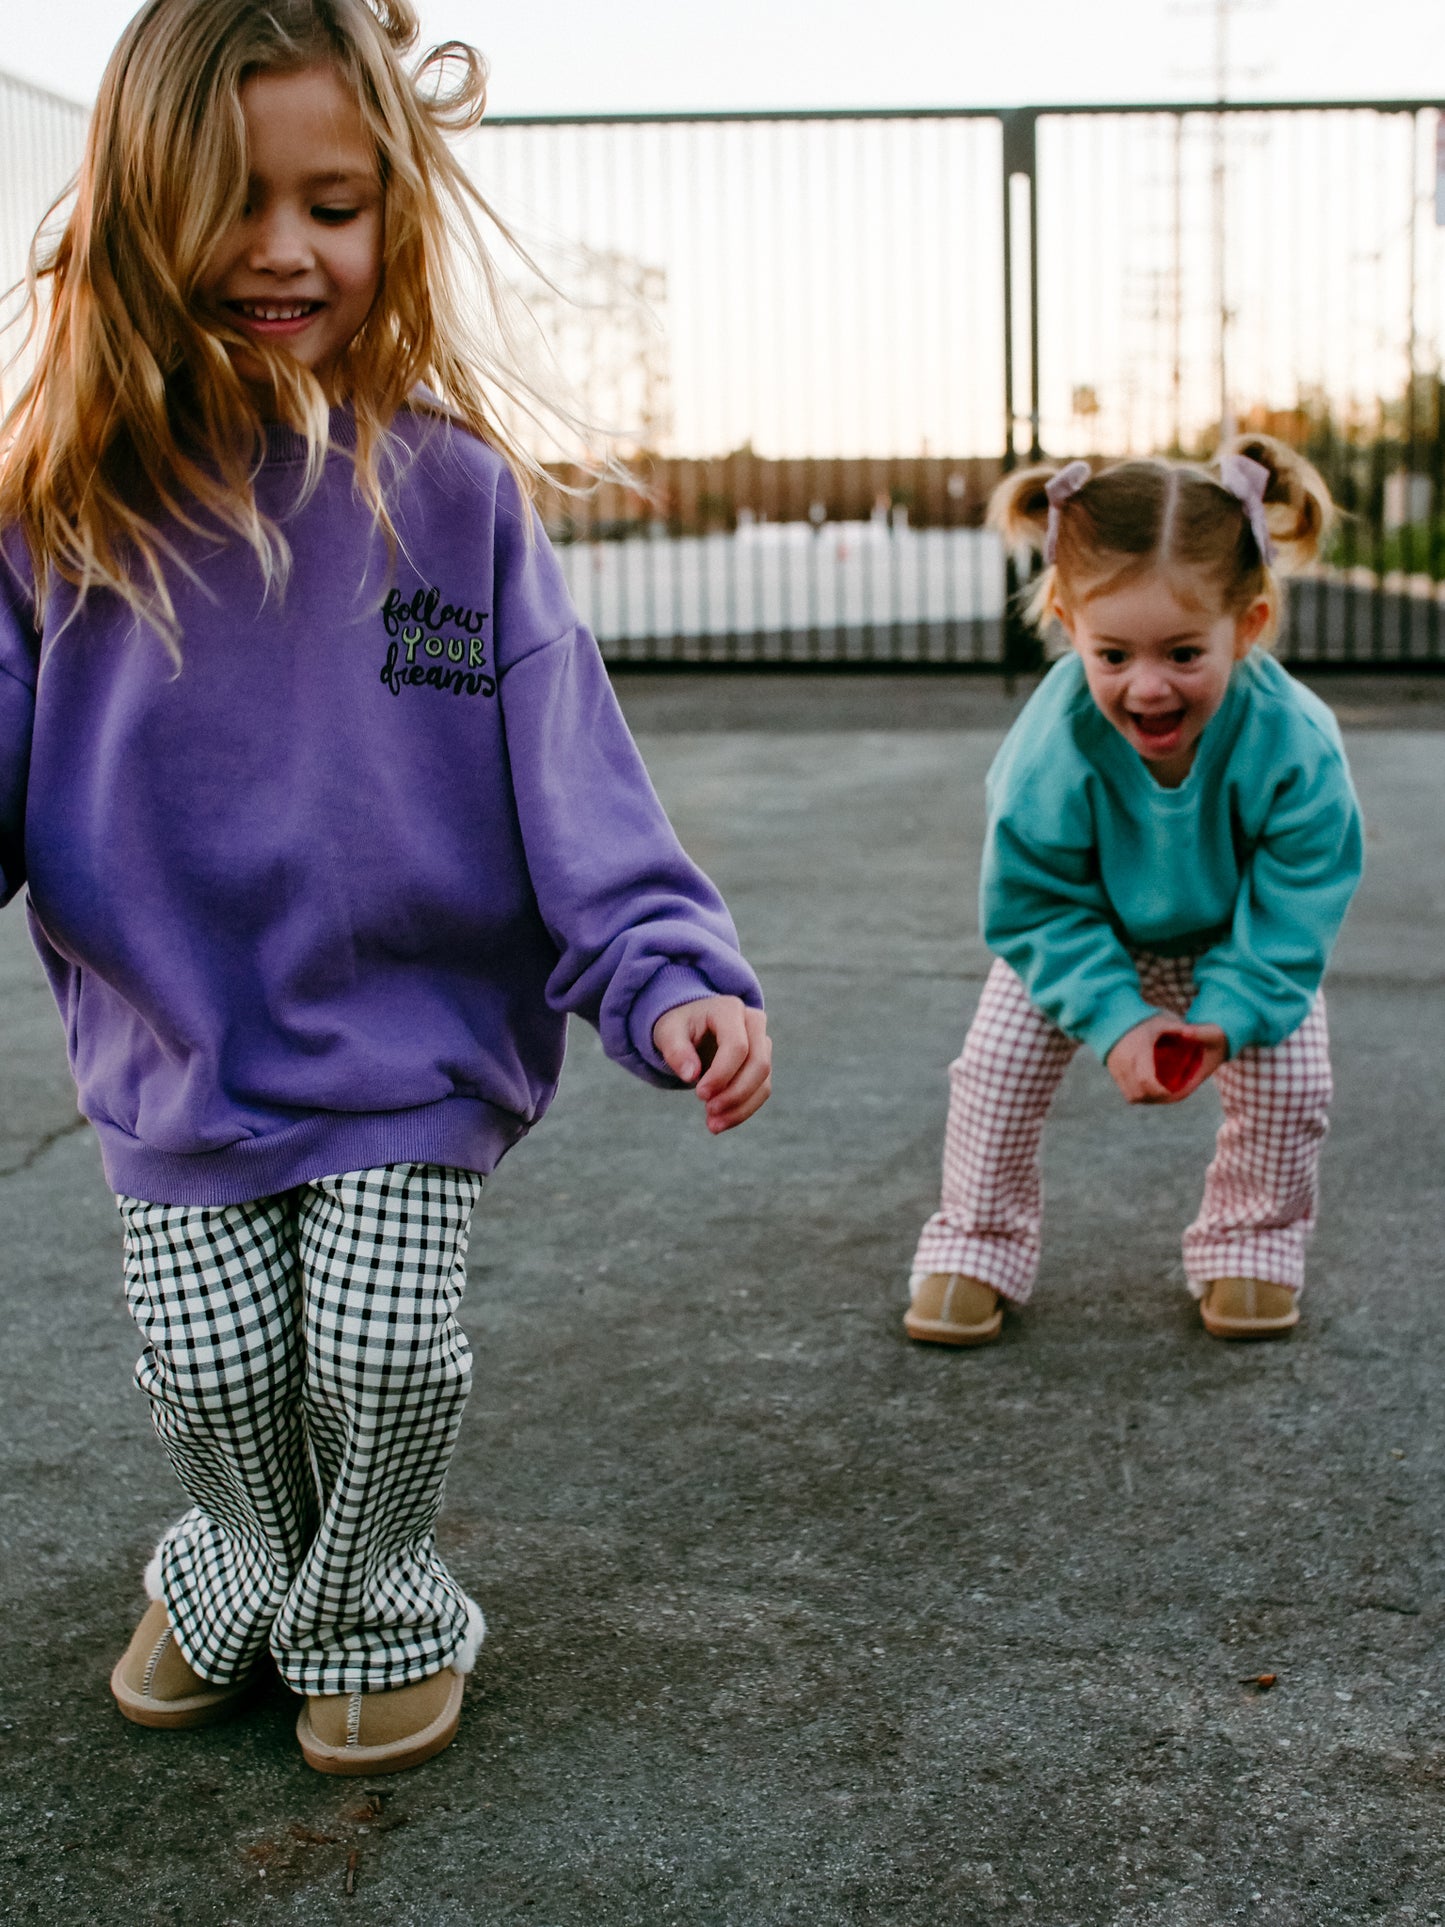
[324, 899]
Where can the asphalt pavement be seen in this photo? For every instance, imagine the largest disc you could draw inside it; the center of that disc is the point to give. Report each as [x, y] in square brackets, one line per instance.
[792, 1620]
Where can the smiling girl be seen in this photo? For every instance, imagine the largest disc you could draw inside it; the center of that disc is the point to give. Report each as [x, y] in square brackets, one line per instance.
[1173, 841]
[299, 265]
[328, 819]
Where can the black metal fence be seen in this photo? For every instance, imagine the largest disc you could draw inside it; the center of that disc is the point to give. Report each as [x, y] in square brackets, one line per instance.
[796, 324]
[1275, 267]
[819, 338]
[823, 336]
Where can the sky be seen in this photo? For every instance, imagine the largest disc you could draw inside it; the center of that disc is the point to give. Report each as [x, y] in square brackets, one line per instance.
[576, 56]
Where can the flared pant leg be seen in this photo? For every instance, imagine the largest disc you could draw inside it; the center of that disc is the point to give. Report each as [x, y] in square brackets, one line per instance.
[388, 1370]
[989, 1221]
[1261, 1191]
[307, 1377]
[216, 1293]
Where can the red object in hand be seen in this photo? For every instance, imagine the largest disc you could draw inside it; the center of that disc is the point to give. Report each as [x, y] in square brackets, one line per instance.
[1176, 1059]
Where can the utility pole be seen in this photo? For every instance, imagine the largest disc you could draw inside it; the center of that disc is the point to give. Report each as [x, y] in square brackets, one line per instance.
[1223, 71]
[1220, 184]
[1176, 279]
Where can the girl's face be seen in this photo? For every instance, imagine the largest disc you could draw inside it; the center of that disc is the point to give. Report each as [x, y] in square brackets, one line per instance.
[299, 269]
[1159, 667]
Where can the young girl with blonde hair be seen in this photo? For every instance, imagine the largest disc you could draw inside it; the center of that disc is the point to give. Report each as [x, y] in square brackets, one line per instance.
[1172, 844]
[328, 820]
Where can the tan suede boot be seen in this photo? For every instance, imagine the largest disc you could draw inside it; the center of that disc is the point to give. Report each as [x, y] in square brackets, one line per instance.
[381, 1732]
[1248, 1308]
[951, 1309]
[154, 1686]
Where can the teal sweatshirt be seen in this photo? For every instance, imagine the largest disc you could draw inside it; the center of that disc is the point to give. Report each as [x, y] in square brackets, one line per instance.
[1249, 864]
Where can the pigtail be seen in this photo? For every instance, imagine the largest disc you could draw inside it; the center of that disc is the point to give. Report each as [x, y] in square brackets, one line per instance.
[1297, 506]
[1018, 509]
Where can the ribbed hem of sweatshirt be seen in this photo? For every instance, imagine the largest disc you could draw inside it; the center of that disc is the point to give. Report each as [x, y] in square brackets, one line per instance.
[1240, 1022]
[1117, 1018]
[462, 1131]
[668, 987]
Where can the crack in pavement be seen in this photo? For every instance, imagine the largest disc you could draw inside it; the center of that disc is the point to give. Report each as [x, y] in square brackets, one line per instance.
[37, 1151]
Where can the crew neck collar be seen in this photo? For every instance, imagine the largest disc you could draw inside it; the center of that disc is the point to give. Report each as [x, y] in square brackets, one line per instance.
[285, 444]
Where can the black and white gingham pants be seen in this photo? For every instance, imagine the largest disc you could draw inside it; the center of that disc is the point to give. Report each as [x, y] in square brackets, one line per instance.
[307, 1375]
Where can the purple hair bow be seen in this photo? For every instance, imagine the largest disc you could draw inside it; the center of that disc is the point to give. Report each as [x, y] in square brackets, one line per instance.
[1247, 480]
[1059, 488]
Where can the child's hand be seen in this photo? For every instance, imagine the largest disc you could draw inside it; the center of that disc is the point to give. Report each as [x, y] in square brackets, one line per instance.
[1131, 1062]
[723, 1048]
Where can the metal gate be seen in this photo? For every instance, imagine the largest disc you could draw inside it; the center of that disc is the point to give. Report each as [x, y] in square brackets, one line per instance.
[1272, 267]
[819, 338]
[830, 333]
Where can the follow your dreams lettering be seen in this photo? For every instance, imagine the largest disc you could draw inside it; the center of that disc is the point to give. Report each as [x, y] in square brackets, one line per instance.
[421, 654]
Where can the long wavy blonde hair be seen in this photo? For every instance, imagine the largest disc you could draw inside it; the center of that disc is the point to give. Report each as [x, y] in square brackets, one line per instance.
[134, 417]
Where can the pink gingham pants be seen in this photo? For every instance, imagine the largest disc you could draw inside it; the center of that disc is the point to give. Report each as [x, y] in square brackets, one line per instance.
[1259, 1192]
